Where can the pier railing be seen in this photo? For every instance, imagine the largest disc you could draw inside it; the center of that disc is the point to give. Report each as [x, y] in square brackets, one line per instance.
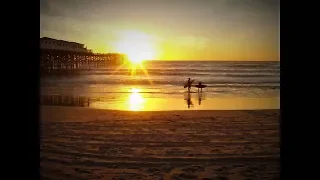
[59, 61]
[58, 100]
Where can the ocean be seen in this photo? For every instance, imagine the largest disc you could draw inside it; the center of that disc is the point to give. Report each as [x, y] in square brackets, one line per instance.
[158, 85]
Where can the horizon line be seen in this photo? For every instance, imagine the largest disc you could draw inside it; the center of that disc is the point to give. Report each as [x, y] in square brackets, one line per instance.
[217, 60]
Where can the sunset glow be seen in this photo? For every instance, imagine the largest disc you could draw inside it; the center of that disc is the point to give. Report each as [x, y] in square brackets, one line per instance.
[136, 45]
[158, 30]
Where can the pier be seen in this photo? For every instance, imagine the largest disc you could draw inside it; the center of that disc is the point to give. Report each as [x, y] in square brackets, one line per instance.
[63, 57]
[58, 100]
[59, 61]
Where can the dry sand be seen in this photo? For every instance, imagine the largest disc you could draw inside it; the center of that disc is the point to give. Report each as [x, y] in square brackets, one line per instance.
[82, 143]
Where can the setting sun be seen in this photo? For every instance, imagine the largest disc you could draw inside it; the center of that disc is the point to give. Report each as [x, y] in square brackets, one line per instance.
[136, 45]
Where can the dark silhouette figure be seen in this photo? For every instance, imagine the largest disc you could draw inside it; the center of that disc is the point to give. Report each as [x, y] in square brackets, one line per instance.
[200, 86]
[200, 94]
[189, 84]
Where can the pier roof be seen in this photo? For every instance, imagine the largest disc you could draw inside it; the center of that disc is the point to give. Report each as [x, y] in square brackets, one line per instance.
[47, 38]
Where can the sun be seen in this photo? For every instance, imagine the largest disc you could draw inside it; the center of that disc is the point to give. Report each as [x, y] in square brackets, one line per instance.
[138, 55]
[136, 45]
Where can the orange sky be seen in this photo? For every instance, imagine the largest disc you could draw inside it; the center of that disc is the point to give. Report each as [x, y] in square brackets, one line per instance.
[168, 30]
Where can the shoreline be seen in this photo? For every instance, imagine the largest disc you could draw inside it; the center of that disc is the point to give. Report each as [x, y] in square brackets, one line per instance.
[142, 103]
[51, 112]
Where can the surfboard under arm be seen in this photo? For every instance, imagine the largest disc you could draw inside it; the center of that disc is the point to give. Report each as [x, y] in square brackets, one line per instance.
[186, 85]
[201, 86]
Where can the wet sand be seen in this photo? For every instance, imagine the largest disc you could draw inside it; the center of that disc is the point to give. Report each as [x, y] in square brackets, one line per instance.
[84, 143]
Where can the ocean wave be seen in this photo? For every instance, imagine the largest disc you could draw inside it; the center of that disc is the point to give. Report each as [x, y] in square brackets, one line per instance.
[183, 70]
[170, 77]
[275, 83]
[187, 73]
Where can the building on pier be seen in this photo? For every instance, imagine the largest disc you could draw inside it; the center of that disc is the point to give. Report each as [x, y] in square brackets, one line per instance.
[54, 44]
[63, 57]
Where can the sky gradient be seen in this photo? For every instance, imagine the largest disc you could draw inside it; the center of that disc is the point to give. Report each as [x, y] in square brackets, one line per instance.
[169, 29]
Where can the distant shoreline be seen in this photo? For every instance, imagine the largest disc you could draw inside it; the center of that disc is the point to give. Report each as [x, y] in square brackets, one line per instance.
[224, 61]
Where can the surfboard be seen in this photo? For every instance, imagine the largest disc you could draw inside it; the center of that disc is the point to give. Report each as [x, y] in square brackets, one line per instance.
[200, 86]
[186, 85]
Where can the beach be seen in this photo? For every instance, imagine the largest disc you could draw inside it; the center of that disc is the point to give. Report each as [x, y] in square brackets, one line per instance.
[87, 143]
[140, 123]
[157, 90]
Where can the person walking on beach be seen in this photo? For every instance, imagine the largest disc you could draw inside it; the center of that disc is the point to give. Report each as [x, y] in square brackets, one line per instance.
[200, 86]
[189, 84]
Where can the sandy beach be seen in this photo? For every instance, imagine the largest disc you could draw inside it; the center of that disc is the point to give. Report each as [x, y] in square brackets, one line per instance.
[84, 143]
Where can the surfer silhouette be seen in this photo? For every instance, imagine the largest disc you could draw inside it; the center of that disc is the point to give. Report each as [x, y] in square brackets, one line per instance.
[189, 84]
[200, 87]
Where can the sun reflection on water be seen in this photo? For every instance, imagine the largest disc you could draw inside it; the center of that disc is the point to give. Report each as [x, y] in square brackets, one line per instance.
[136, 101]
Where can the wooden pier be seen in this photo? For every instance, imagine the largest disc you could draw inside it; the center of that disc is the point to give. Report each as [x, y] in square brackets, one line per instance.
[68, 62]
[58, 100]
